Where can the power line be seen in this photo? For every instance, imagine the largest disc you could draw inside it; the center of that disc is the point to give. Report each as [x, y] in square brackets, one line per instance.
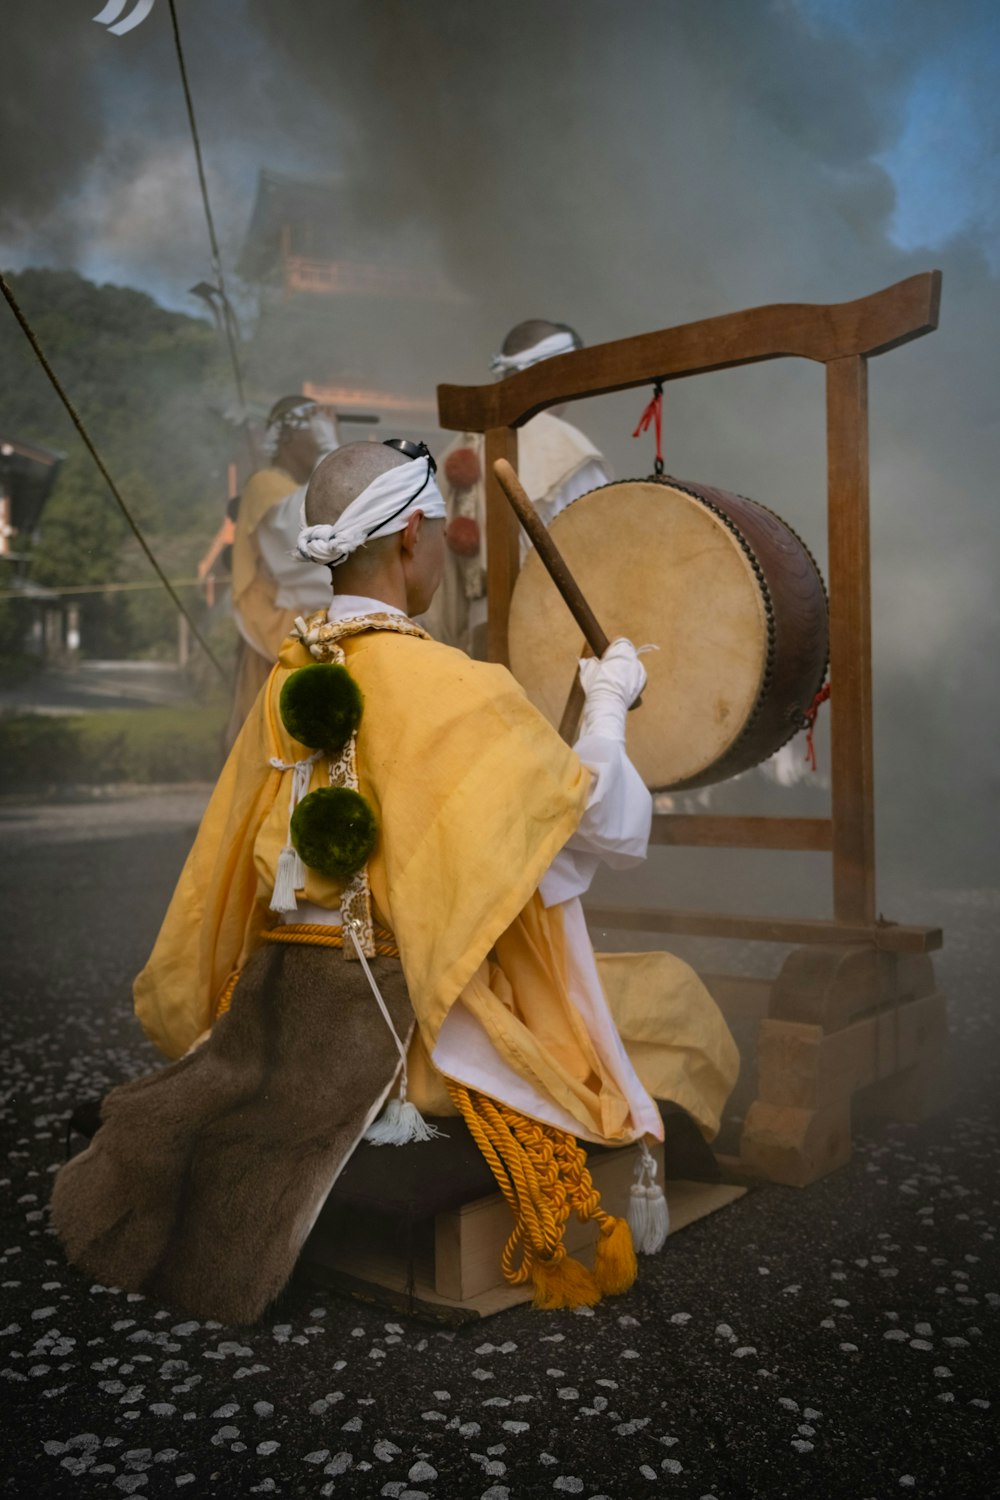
[227, 317]
[91, 588]
[29, 334]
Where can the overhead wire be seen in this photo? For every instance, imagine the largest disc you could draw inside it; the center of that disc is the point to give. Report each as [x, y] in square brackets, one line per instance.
[227, 316]
[88, 442]
[227, 324]
[64, 590]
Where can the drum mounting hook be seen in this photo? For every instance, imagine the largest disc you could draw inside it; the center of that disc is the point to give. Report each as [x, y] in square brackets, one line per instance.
[653, 414]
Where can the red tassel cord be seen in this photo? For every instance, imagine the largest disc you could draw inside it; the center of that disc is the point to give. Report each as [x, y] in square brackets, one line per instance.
[653, 414]
[810, 723]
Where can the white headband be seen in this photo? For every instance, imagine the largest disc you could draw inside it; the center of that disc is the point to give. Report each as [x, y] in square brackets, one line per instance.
[294, 419]
[380, 510]
[509, 364]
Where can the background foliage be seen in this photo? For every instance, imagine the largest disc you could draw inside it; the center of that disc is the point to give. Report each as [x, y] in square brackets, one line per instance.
[151, 388]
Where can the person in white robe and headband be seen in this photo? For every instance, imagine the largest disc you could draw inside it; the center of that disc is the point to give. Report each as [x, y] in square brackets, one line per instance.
[270, 585]
[557, 463]
[379, 925]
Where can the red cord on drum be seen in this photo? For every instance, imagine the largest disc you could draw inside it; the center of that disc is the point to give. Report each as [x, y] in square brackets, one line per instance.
[654, 413]
[810, 723]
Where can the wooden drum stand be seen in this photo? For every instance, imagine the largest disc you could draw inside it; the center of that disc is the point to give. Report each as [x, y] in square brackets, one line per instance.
[855, 1006]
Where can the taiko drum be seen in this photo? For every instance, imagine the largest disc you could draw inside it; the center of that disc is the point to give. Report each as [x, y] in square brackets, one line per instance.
[726, 591]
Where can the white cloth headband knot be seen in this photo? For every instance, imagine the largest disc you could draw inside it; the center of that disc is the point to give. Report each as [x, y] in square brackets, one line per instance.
[380, 510]
[509, 364]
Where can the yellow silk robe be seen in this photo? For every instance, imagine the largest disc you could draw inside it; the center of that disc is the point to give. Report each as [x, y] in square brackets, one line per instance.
[266, 624]
[475, 794]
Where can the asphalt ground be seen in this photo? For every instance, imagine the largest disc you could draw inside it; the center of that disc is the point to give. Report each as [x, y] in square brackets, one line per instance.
[836, 1341]
[91, 685]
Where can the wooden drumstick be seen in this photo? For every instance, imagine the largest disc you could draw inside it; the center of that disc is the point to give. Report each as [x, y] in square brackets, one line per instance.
[570, 720]
[563, 579]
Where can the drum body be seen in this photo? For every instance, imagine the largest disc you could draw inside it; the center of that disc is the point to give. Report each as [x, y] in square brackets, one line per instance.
[726, 591]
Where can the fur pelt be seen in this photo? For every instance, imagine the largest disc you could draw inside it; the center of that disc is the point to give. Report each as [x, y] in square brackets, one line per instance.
[206, 1176]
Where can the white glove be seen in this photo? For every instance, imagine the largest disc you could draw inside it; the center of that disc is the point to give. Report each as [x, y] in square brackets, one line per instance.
[611, 685]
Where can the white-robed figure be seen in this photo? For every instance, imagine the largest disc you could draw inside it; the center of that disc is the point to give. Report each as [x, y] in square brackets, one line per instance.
[557, 463]
[270, 584]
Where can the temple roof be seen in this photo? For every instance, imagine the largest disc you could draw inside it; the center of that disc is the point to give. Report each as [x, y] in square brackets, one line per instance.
[313, 213]
[307, 236]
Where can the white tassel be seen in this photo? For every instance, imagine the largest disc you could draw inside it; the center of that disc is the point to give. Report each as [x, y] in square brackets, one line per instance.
[289, 878]
[648, 1211]
[400, 1123]
[290, 875]
[638, 1214]
[658, 1225]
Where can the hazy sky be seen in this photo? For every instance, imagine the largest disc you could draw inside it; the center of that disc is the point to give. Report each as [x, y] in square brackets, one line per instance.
[620, 167]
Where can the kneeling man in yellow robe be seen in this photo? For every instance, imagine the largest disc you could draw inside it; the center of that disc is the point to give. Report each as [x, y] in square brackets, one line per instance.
[380, 919]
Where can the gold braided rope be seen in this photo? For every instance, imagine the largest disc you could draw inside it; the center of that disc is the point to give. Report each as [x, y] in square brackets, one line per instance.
[541, 1211]
[312, 934]
[226, 994]
[321, 935]
[583, 1195]
[541, 1172]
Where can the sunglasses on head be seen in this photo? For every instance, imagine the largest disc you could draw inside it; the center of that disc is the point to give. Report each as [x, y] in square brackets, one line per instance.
[411, 450]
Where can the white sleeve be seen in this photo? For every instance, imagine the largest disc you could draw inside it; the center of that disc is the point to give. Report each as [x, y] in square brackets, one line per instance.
[615, 826]
[298, 584]
[591, 476]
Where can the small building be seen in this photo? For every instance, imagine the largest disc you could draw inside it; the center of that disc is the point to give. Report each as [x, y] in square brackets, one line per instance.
[46, 624]
[27, 474]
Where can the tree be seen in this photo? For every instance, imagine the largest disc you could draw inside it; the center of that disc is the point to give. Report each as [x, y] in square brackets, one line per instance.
[150, 386]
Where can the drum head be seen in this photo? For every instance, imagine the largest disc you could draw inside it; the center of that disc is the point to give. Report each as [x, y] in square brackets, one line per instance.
[661, 568]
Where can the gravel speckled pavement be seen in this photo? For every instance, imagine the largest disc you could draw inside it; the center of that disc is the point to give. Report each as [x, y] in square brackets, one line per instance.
[840, 1341]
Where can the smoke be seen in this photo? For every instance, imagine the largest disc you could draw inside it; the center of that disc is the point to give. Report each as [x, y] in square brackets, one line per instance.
[38, 165]
[620, 168]
[96, 162]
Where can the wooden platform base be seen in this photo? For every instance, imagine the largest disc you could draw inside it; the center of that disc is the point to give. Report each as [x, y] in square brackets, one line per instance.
[846, 1030]
[448, 1268]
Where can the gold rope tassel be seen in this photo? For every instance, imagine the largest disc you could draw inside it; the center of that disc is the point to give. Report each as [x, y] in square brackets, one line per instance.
[542, 1173]
[615, 1266]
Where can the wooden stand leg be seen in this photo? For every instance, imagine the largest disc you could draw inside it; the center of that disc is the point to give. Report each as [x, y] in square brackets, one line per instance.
[795, 1146]
[799, 1127]
[923, 1089]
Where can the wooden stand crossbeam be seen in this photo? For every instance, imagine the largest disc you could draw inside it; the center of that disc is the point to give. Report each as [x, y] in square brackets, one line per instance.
[793, 1142]
[707, 831]
[892, 936]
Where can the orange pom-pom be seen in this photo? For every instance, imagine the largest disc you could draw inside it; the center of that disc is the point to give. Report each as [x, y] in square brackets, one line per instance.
[462, 536]
[461, 468]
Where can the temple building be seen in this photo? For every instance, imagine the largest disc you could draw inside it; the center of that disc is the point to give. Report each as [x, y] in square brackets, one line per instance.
[345, 314]
[342, 314]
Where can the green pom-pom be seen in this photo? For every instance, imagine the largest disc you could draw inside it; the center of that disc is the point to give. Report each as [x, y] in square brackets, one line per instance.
[320, 706]
[333, 830]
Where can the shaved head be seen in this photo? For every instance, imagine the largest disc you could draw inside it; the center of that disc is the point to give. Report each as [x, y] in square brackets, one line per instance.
[404, 568]
[342, 476]
[286, 404]
[526, 335]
